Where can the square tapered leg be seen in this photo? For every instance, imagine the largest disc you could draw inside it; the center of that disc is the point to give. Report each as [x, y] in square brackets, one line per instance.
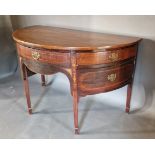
[26, 85]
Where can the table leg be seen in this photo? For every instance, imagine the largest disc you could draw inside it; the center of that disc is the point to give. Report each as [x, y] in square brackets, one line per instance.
[129, 91]
[43, 80]
[75, 91]
[75, 108]
[26, 85]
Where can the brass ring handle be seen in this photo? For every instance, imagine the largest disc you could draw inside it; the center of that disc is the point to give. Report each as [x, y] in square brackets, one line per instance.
[112, 77]
[35, 55]
[113, 56]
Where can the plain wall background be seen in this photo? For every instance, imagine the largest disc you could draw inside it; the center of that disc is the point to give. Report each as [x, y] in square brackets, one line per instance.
[142, 26]
[8, 59]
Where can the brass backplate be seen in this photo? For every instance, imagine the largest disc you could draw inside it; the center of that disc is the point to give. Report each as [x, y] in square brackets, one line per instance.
[113, 56]
[35, 55]
[112, 77]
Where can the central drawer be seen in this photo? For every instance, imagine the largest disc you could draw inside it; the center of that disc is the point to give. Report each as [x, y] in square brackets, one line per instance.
[92, 81]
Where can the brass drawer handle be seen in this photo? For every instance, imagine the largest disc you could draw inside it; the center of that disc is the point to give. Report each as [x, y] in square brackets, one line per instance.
[35, 55]
[113, 56]
[112, 77]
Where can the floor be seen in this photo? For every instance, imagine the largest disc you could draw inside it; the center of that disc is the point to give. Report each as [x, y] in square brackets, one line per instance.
[53, 118]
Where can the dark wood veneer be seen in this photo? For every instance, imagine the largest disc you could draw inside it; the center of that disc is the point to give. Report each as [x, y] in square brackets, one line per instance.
[93, 62]
[46, 56]
[96, 80]
[106, 56]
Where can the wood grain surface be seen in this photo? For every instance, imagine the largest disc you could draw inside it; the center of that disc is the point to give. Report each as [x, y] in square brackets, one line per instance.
[68, 39]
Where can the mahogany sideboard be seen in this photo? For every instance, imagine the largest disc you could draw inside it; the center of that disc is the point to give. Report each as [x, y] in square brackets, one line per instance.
[93, 62]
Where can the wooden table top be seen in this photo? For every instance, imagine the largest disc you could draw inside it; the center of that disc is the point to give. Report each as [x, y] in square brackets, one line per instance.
[68, 39]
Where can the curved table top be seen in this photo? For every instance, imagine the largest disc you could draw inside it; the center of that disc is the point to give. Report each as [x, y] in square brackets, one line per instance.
[47, 37]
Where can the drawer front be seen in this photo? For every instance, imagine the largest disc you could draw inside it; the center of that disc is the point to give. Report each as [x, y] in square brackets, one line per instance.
[105, 57]
[104, 79]
[45, 56]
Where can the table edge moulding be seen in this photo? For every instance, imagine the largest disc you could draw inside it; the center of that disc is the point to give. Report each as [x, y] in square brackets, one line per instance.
[93, 62]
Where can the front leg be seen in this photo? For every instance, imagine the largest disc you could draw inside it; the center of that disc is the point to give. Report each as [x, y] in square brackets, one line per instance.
[74, 90]
[75, 107]
[26, 84]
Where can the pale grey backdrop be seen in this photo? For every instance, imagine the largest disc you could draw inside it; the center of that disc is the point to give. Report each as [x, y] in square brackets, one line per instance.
[8, 59]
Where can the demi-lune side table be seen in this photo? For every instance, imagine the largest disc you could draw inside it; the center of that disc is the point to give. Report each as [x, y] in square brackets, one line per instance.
[93, 62]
